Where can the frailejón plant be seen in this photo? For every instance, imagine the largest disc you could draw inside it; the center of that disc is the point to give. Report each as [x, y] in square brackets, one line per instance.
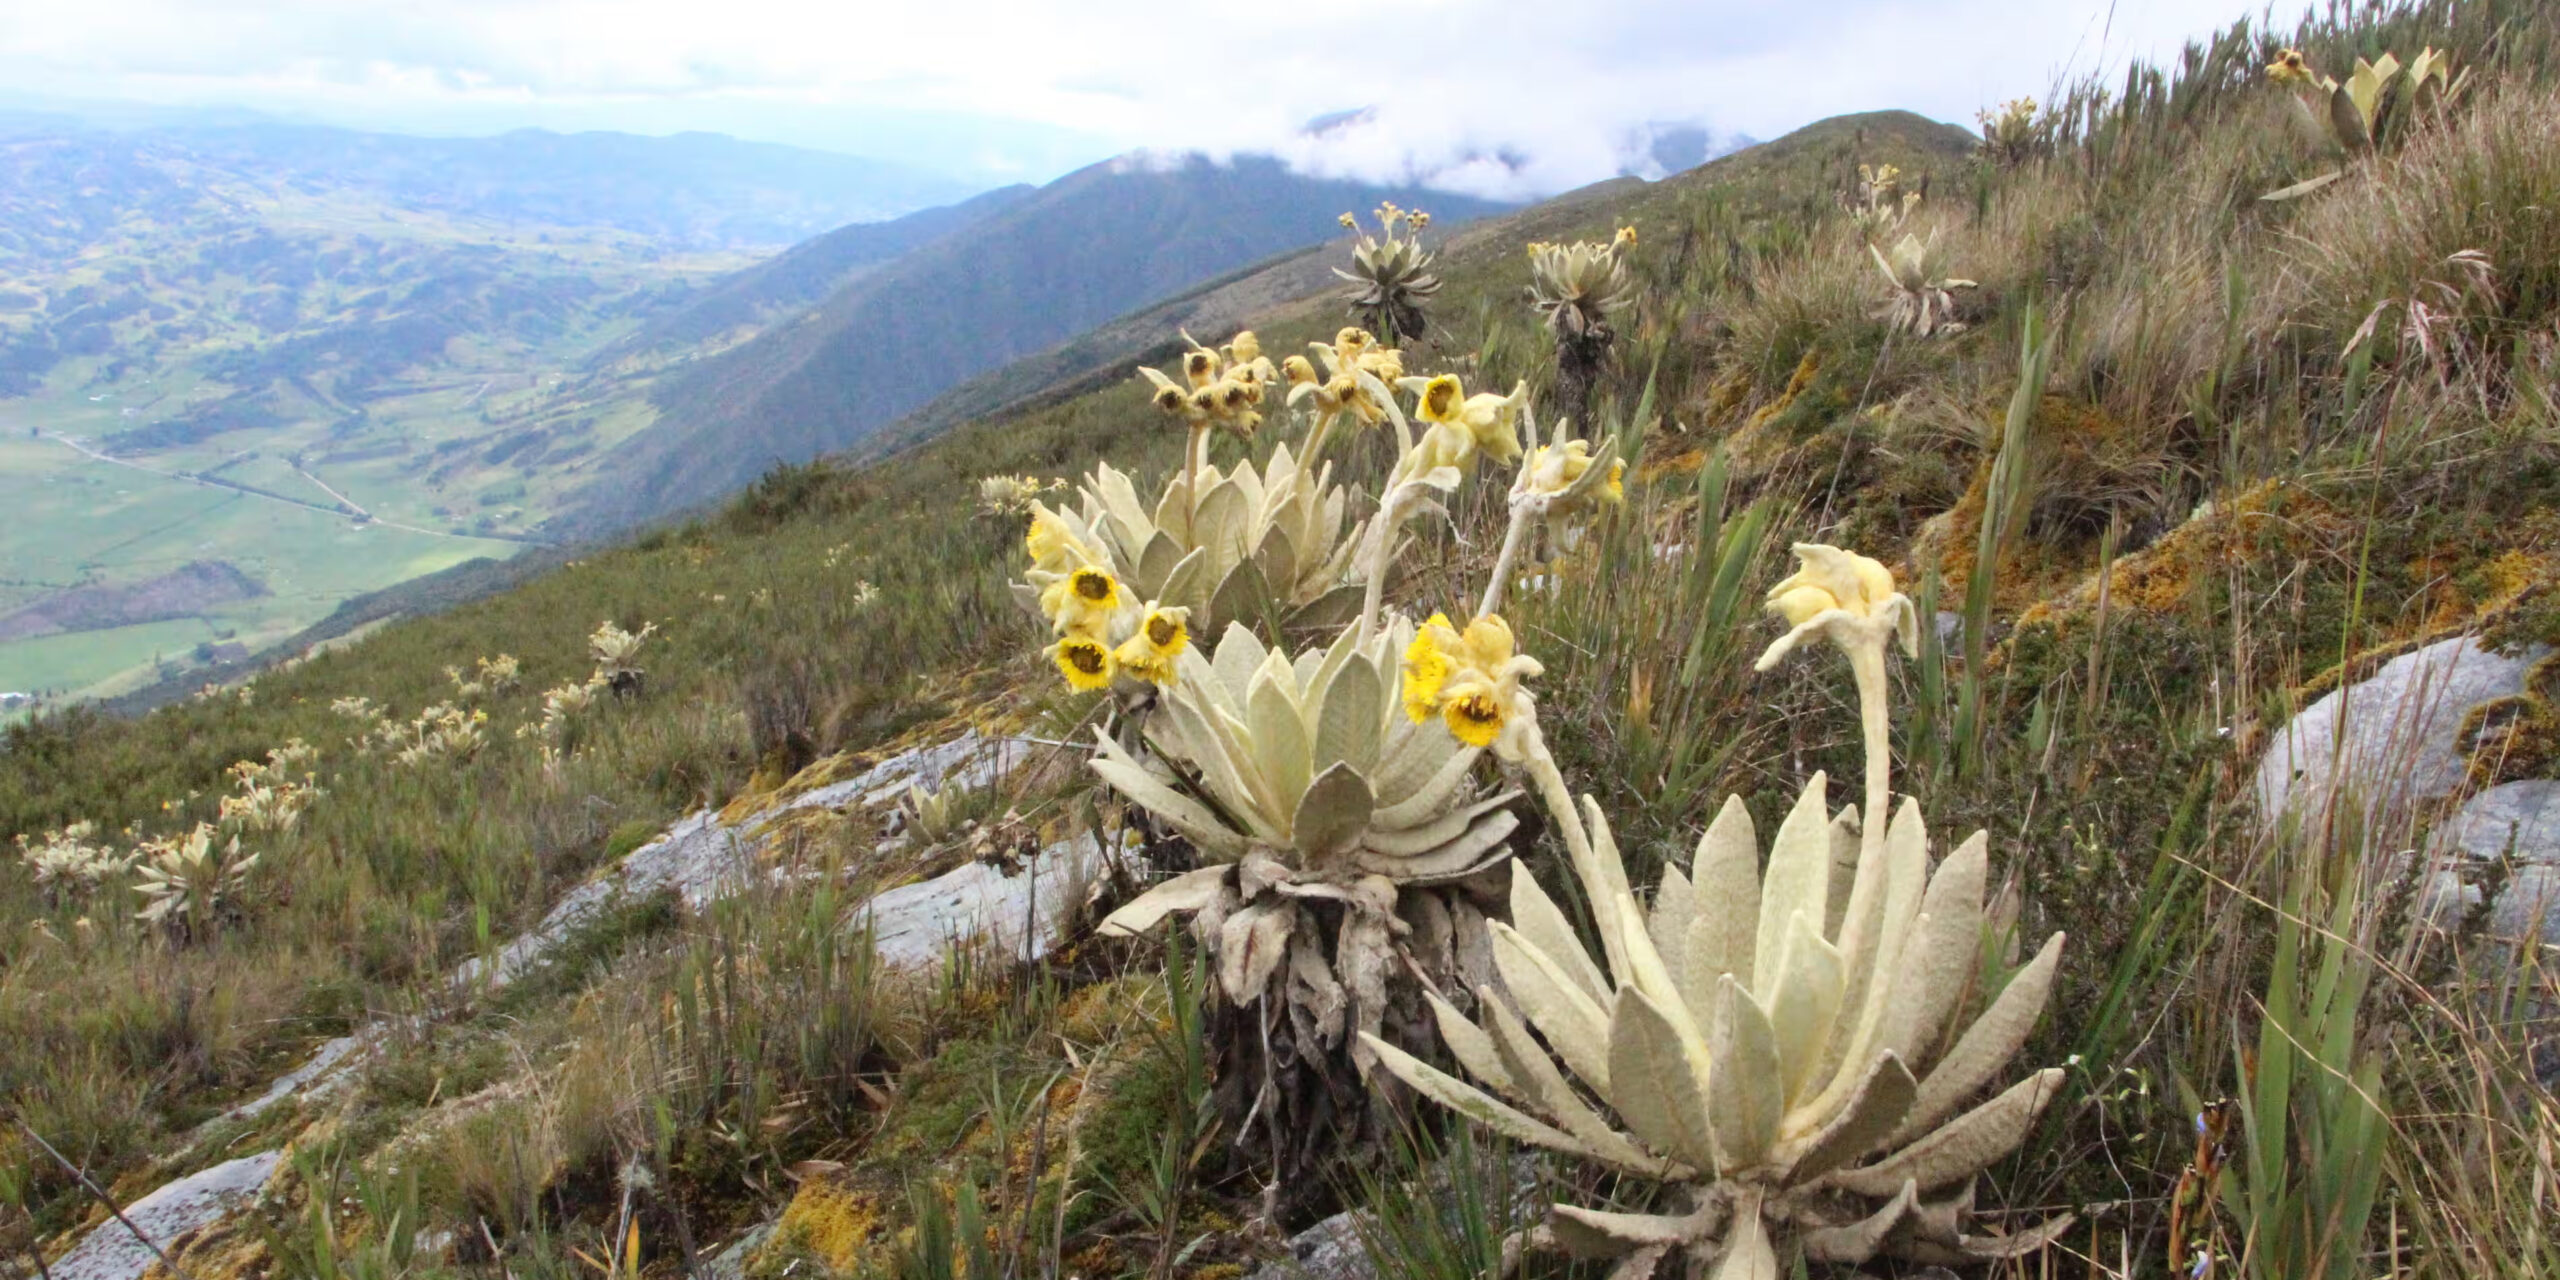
[1393, 272]
[1783, 1046]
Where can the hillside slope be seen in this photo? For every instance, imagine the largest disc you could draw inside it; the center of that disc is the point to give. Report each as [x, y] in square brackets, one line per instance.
[1086, 248]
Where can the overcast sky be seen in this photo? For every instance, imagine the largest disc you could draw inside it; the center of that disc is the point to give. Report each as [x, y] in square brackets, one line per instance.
[1505, 97]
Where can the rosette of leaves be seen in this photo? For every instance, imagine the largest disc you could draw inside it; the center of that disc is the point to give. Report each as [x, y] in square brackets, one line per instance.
[1393, 275]
[1339, 838]
[1880, 204]
[1273, 546]
[2009, 135]
[186, 880]
[1576, 288]
[1923, 301]
[1792, 1049]
[2367, 112]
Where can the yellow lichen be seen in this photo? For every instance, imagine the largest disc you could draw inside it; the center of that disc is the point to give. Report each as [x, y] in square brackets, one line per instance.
[832, 1223]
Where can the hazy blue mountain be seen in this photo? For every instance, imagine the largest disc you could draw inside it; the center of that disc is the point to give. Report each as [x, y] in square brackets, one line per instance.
[1084, 249]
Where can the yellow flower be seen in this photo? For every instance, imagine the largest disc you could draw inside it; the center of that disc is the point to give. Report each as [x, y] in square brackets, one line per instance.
[1082, 601]
[1844, 595]
[1351, 342]
[1472, 679]
[1625, 239]
[1299, 371]
[1492, 421]
[1616, 490]
[1348, 222]
[1474, 718]
[1085, 661]
[1426, 668]
[2289, 67]
[1554, 468]
[1200, 366]
[1055, 546]
[1386, 364]
[1149, 652]
[1244, 349]
[1420, 219]
[1442, 399]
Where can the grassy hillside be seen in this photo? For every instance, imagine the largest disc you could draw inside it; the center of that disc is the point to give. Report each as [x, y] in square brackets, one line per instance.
[2218, 504]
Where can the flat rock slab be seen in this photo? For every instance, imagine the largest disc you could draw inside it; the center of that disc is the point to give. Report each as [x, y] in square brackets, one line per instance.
[1013, 914]
[968, 762]
[2388, 739]
[111, 1252]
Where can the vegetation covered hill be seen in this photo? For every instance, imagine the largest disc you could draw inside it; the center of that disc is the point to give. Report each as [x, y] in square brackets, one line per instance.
[2255, 448]
[1081, 251]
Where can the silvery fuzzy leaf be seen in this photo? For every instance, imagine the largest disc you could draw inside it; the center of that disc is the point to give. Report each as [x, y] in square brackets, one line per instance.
[1120, 498]
[1859, 1241]
[1544, 925]
[1277, 561]
[1592, 1233]
[1239, 655]
[1797, 881]
[1546, 1091]
[1331, 816]
[1480, 846]
[1184, 583]
[1860, 922]
[1883, 1098]
[1335, 608]
[1725, 882]
[1571, 1020]
[1279, 738]
[1241, 594]
[1028, 597]
[1417, 840]
[1844, 870]
[1473, 1103]
[1426, 801]
[1186, 814]
[1803, 1003]
[1655, 1085]
[1747, 1253]
[1471, 1046]
[1188, 892]
[1988, 1044]
[1155, 564]
[1963, 1147]
[1938, 964]
[1675, 908]
[1220, 527]
[1312, 988]
[1251, 945]
[1347, 721]
[1746, 1096]
[1413, 755]
[1905, 876]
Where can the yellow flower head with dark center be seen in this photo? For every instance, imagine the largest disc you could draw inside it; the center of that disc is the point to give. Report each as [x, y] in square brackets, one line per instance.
[1348, 222]
[1475, 718]
[1095, 587]
[1426, 668]
[1236, 397]
[1085, 661]
[1299, 370]
[1420, 219]
[1349, 343]
[1173, 401]
[1204, 401]
[1149, 652]
[1442, 399]
[1625, 239]
[1386, 364]
[1201, 367]
[1082, 601]
[2289, 67]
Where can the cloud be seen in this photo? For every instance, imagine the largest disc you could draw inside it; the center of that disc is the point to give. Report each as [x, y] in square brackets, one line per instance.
[1505, 97]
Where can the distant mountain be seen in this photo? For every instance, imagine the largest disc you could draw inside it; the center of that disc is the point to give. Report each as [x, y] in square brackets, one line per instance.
[691, 190]
[1080, 251]
[811, 270]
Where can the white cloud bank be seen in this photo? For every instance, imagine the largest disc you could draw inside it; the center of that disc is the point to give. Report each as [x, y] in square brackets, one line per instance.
[1503, 97]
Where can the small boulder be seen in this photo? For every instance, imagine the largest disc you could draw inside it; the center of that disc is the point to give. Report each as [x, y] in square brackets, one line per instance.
[1015, 914]
[2399, 728]
[111, 1252]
